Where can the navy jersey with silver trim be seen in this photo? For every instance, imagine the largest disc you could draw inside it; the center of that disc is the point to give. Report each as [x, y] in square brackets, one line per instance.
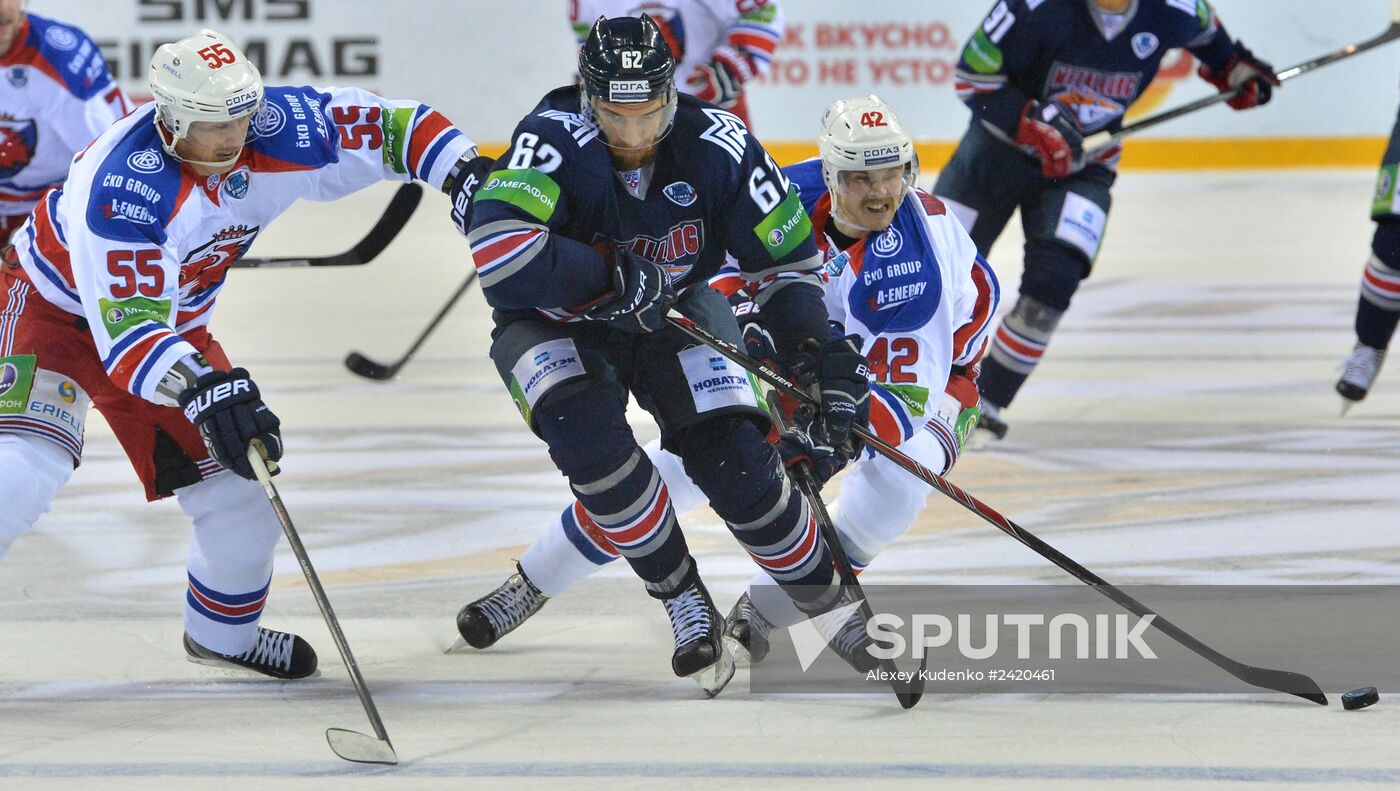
[711, 189]
[1071, 53]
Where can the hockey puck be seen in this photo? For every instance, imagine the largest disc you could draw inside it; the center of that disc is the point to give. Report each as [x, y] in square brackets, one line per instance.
[1360, 698]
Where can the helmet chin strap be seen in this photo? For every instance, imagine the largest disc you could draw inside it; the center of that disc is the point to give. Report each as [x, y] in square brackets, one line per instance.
[843, 219]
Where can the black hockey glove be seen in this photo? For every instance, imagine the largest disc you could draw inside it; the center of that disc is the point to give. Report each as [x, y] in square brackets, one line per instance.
[461, 184]
[230, 413]
[640, 296]
[841, 376]
[796, 446]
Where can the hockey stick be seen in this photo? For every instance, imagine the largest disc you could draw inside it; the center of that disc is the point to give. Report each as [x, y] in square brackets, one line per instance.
[1278, 680]
[400, 209]
[1101, 140]
[361, 365]
[908, 693]
[350, 745]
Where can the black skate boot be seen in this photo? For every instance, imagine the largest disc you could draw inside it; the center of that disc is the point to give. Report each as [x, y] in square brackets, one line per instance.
[700, 653]
[1358, 374]
[499, 612]
[852, 642]
[990, 427]
[276, 654]
[746, 632]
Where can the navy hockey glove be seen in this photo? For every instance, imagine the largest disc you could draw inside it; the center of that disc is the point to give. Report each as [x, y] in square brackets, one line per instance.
[1050, 135]
[1254, 77]
[641, 293]
[461, 184]
[230, 413]
[843, 375]
[796, 446]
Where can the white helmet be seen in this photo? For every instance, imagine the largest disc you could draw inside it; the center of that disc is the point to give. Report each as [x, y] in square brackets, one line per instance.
[863, 134]
[203, 78]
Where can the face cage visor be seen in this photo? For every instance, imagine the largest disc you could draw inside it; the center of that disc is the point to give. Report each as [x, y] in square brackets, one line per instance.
[206, 134]
[851, 189]
[626, 132]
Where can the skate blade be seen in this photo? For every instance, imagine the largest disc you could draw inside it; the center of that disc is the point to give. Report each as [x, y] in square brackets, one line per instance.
[715, 678]
[360, 748]
[459, 646]
[737, 650]
[237, 671]
[1346, 406]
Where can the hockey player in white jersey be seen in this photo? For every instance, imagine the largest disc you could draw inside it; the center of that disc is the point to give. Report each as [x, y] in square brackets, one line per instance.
[107, 295]
[720, 45]
[904, 275]
[57, 96]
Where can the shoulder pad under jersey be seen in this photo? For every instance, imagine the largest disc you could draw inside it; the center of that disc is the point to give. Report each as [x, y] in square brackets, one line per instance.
[67, 54]
[135, 189]
[292, 127]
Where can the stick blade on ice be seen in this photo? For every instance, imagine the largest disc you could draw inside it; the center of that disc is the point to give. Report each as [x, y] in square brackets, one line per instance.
[360, 748]
[361, 365]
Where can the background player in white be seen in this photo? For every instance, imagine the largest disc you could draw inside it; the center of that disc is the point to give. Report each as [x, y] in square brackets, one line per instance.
[719, 44]
[56, 97]
[904, 275]
[117, 275]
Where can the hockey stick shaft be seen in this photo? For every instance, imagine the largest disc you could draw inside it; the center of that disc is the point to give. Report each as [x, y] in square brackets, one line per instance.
[1279, 680]
[368, 368]
[395, 216]
[1102, 140]
[909, 692]
[372, 753]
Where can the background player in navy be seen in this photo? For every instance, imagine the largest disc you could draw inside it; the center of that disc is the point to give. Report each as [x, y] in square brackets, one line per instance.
[612, 194]
[1038, 76]
[1378, 309]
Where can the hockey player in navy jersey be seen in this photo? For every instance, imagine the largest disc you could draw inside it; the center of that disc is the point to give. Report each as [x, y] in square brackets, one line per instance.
[57, 96]
[616, 196]
[904, 274]
[1039, 75]
[720, 45]
[107, 295]
[1378, 308]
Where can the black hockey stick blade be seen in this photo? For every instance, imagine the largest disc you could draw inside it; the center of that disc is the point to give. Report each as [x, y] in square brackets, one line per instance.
[361, 748]
[361, 365]
[395, 216]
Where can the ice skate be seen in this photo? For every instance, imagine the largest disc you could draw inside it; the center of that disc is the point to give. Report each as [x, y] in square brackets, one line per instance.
[498, 613]
[700, 653]
[990, 427]
[276, 654]
[746, 632]
[1358, 374]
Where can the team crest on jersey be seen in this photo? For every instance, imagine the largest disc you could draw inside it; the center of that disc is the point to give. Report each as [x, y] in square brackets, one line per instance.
[680, 193]
[685, 239]
[236, 183]
[61, 38]
[205, 266]
[17, 76]
[269, 121]
[1144, 44]
[147, 160]
[17, 141]
[888, 243]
